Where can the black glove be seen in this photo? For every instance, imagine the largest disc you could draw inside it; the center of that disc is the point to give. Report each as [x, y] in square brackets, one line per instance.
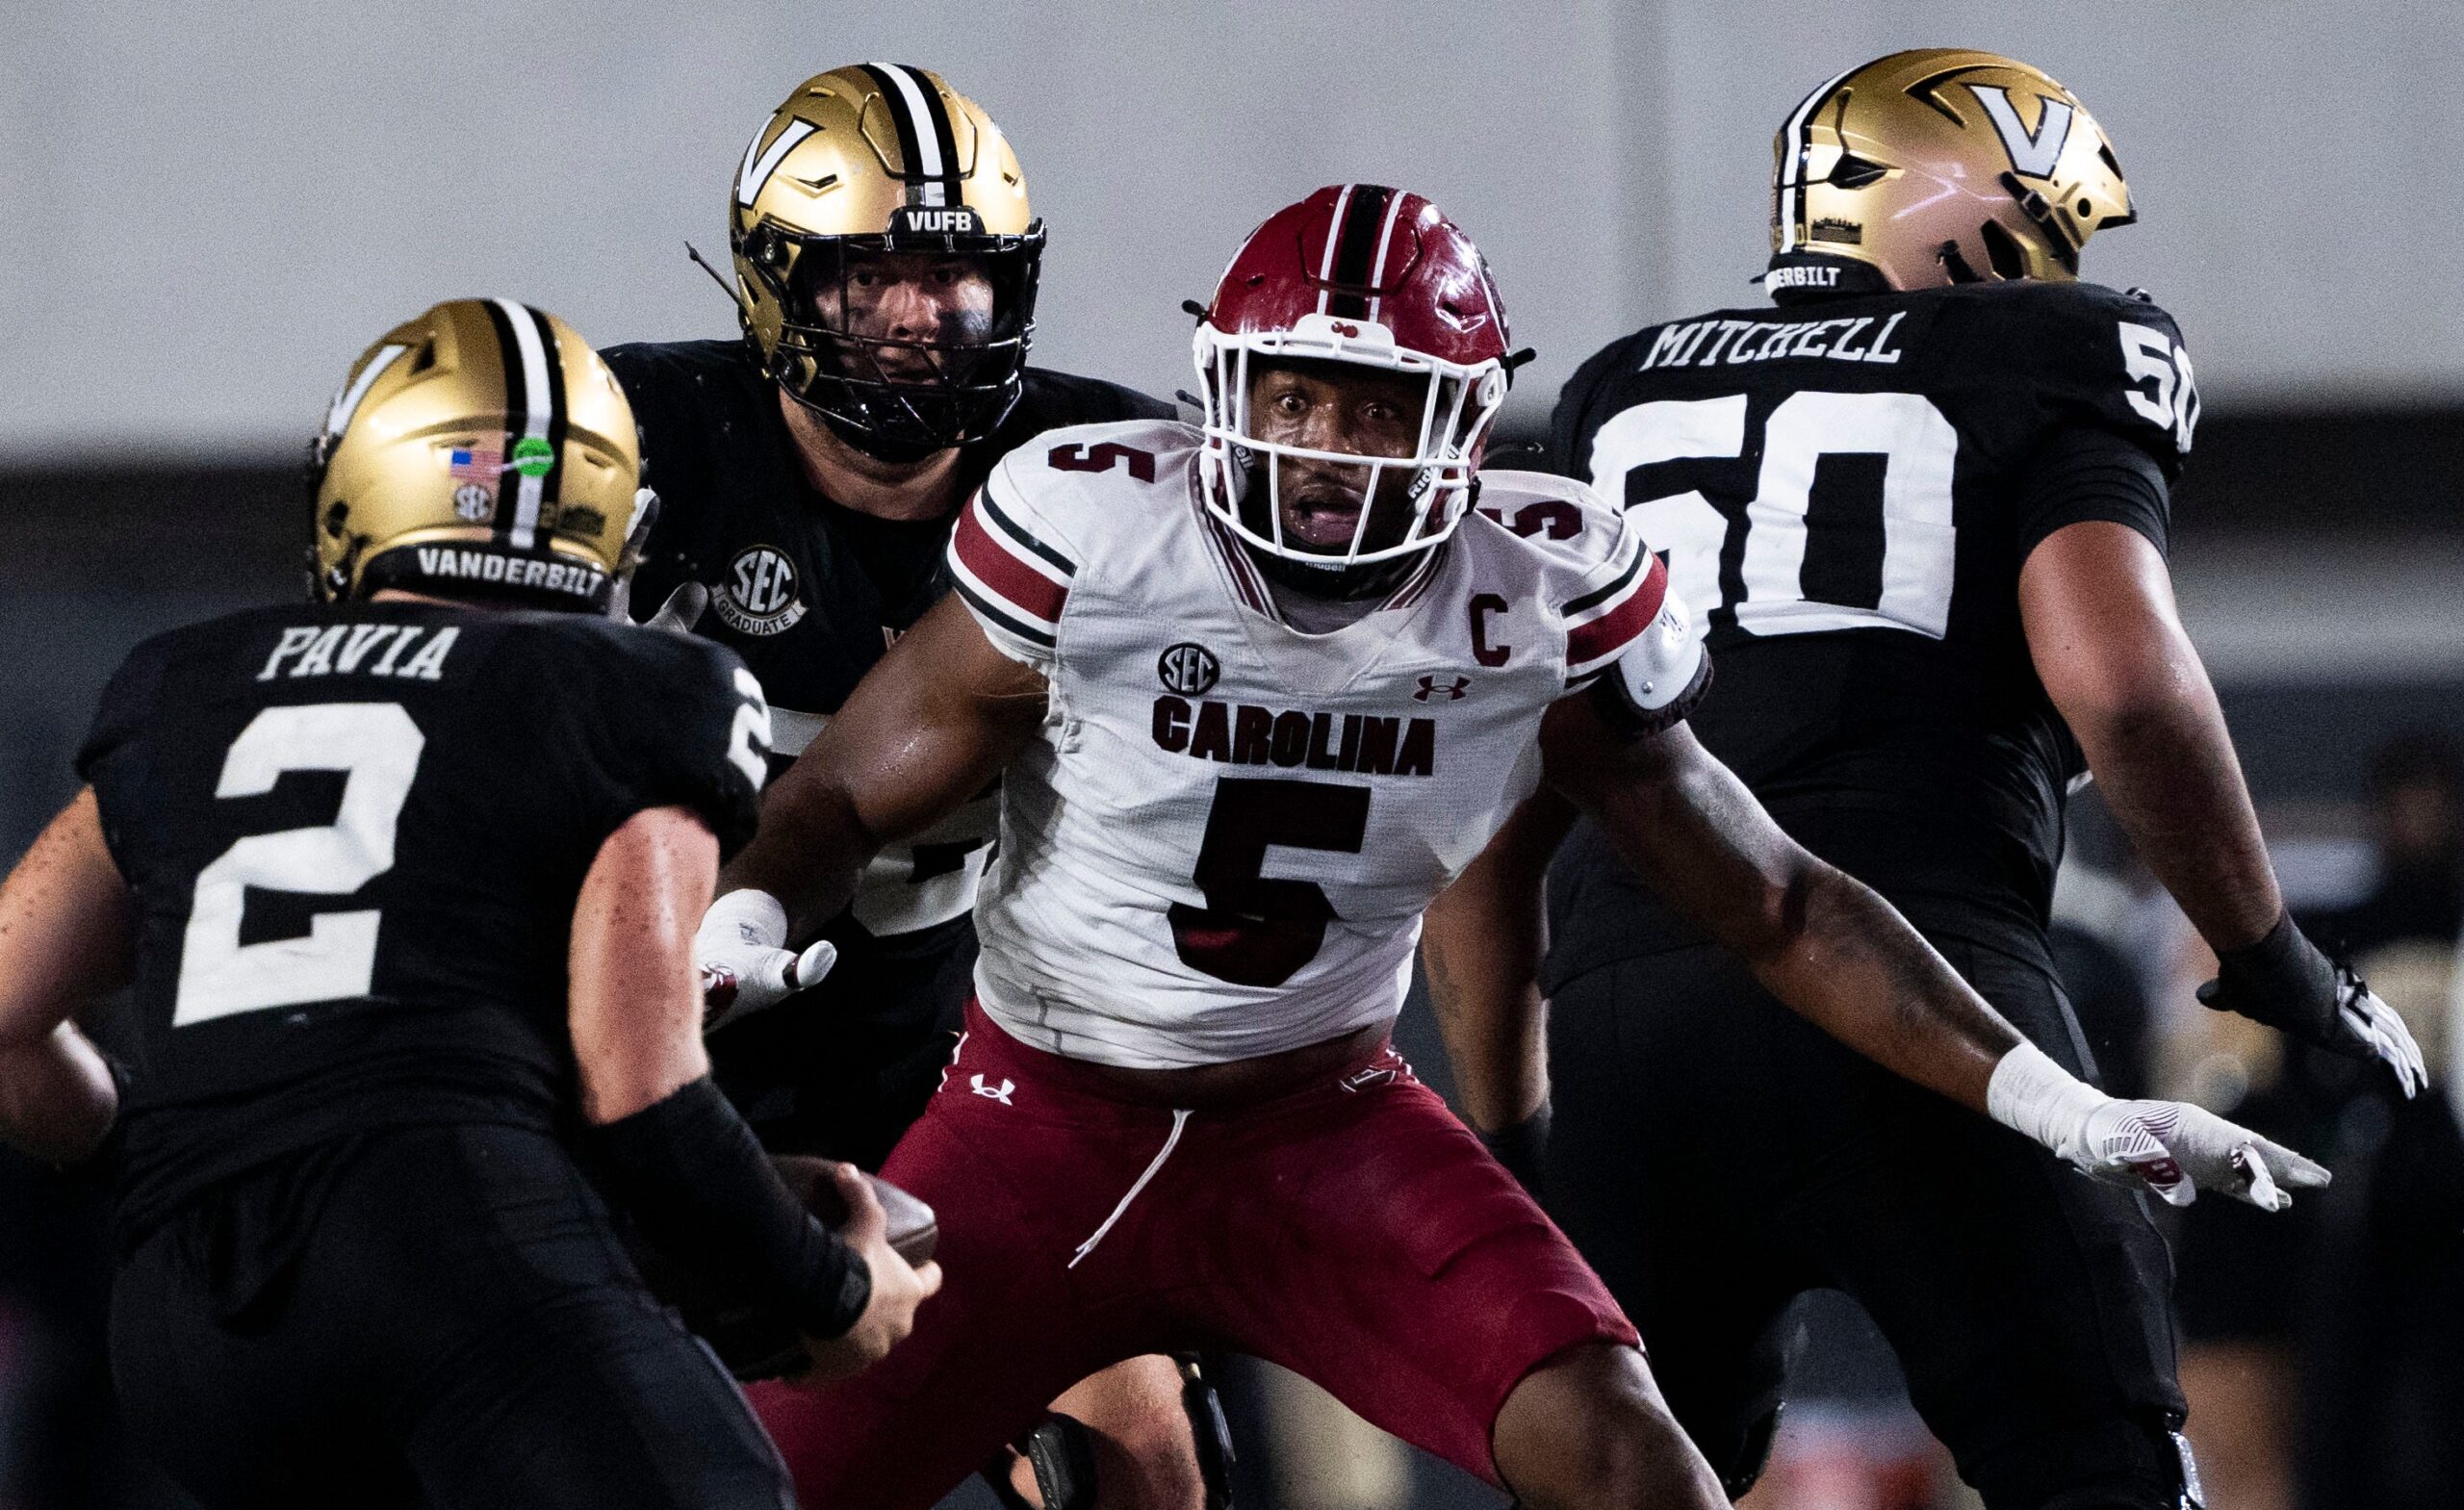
[2286, 983]
[1522, 1148]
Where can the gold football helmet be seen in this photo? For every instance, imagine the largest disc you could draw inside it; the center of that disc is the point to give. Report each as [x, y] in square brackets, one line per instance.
[480, 450]
[871, 159]
[1942, 165]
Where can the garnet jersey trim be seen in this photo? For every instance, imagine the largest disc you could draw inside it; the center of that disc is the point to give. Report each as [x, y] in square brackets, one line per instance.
[1007, 573]
[1600, 623]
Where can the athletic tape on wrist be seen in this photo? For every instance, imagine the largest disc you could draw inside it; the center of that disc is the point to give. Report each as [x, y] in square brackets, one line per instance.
[2031, 1094]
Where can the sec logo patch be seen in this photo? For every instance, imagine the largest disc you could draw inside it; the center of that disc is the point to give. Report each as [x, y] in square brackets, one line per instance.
[759, 595]
[1188, 667]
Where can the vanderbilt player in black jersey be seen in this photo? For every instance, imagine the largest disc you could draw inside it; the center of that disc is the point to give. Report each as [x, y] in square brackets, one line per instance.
[403, 881]
[1924, 500]
[886, 262]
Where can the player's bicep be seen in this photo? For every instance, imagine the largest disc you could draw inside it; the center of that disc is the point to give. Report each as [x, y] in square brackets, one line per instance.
[633, 1000]
[63, 925]
[929, 726]
[2096, 605]
[1693, 831]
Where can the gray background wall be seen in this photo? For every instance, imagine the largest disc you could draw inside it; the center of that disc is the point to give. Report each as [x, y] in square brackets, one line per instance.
[205, 211]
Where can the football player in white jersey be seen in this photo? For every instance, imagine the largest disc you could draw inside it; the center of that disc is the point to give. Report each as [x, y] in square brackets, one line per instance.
[1255, 692]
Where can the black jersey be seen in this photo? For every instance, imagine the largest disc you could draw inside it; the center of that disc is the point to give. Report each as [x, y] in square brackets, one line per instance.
[1840, 489]
[810, 593]
[354, 836]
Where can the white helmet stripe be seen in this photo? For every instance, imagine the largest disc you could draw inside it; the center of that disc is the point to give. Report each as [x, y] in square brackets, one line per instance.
[1334, 234]
[1385, 237]
[928, 145]
[1792, 170]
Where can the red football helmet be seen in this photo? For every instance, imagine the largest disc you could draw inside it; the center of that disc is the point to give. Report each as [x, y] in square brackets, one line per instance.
[1369, 275]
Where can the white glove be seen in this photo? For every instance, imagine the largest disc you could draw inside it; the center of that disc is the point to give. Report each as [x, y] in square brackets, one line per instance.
[2170, 1147]
[746, 966]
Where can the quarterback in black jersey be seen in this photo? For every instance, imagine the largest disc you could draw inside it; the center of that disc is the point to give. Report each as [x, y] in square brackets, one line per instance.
[1923, 501]
[808, 475]
[403, 881]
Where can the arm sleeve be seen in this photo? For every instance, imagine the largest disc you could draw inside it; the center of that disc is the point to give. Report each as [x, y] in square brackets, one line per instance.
[2084, 472]
[1012, 569]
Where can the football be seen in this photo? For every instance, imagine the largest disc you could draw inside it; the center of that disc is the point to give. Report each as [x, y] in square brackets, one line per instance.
[913, 1230]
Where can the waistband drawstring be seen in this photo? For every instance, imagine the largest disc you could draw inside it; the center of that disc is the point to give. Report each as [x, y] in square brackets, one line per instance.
[1180, 1120]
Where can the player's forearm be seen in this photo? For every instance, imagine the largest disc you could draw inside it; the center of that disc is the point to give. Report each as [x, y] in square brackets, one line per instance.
[1848, 962]
[2166, 766]
[57, 1099]
[1481, 944]
[809, 851]
[1483, 955]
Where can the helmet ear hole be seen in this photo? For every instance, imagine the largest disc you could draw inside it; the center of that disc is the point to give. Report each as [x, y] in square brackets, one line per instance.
[1855, 172]
[2002, 251]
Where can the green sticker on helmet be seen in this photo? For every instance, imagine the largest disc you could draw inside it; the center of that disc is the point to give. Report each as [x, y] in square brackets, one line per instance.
[533, 457]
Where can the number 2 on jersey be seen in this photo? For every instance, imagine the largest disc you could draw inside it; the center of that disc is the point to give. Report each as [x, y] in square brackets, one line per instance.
[378, 748]
[1257, 930]
[1789, 587]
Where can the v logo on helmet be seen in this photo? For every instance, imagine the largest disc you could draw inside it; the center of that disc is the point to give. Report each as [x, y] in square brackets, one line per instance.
[2032, 152]
[754, 174]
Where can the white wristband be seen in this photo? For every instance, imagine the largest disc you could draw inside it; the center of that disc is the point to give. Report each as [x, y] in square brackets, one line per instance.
[748, 916]
[2030, 1094]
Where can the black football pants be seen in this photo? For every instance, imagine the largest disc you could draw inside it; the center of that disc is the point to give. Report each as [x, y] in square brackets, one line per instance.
[1714, 1156]
[437, 1315]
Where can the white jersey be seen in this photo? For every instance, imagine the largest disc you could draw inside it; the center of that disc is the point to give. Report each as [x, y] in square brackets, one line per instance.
[1221, 842]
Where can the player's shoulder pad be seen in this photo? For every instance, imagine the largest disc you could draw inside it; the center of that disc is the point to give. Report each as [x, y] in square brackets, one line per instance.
[165, 664]
[654, 658]
[1570, 416]
[2080, 353]
[1016, 553]
[1563, 525]
[680, 393]
[1072, 485]
[1592, 569]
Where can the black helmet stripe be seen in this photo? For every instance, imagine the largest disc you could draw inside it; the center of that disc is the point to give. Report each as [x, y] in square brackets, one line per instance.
[927, 152]
[560, 422]
[1799, 132]
[1356, 237]
[944, 139]
[534, 411]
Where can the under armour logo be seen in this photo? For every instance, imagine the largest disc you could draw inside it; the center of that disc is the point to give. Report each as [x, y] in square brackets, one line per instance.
[1431, 689]
[999, 1092]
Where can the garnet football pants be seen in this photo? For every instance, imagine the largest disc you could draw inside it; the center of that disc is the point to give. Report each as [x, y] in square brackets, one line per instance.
[1716, 1154]
[432, 1316]
[1351, 1231]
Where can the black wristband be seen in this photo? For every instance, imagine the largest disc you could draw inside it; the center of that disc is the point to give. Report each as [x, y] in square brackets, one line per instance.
[1521, 1146]
[2283, 981]
[694, 1174]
